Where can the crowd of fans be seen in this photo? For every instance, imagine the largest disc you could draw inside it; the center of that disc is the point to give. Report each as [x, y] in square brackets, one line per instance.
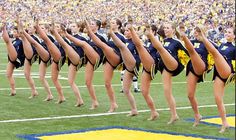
[215, 14]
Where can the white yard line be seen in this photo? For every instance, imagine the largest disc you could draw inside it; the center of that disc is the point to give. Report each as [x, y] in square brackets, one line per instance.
[101, 114]
[84, 86]
[3, 72]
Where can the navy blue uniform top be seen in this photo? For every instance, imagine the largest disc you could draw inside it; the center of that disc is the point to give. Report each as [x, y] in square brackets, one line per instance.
[80, 37]
[44, 44]
[51, 38]
[172, 46]
[200, 49]
[63, 54]
[66, 40]
[133, 50]
[151, 50]
[228, 51]
[98, 50]
[78, 49]
[36, 39]
[112, 44]
[18, 45]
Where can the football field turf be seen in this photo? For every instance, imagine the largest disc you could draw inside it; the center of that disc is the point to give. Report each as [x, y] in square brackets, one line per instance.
[21, 117]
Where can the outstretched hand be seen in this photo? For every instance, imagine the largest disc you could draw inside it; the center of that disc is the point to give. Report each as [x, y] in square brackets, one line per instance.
[19, 24]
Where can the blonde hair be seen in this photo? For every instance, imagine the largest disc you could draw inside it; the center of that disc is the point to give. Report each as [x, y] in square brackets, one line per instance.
[173, 26]
[200, 27]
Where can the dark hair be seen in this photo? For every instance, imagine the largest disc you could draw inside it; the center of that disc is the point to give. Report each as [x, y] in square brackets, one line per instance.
[63, 27]
[98, 23]
[125, 24]
[161, 31]
[104, 23]
[81, 26]
[154, 29]
[118, 22]
[122, 29]
[68, 30]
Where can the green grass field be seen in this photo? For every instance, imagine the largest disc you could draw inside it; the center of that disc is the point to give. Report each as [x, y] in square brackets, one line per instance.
[20, 107]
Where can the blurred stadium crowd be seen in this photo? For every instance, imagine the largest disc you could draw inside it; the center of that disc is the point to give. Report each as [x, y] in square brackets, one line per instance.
[216, 15]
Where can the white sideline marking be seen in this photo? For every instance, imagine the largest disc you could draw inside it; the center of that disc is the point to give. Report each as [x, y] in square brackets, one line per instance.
[102, 114]
[16, 70]
[84, 86]
[36, 76]
[3, 72]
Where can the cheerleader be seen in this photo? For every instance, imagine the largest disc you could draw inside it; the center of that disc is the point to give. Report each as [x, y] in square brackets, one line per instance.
[92, 58]
[30, 57]
[44, 59]
[75, 61]
[58, 55]
[224, 69]
[113, 58]
[150, 61]
[131, 61]
[196, 67]
[169, 64]
[16, 56]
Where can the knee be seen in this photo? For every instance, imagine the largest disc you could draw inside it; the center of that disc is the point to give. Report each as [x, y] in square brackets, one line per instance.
[108, 85]
[166, 90]
[71, 82]
[218, 99]
[9, 76]
[54, 78]
[88, 83]
[144, 92]
[58, 87]
[42, 78]
[190, 97]
[27, 75]
[126, 90]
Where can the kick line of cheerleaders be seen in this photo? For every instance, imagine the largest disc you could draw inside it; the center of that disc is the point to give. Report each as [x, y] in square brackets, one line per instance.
[53, 43]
